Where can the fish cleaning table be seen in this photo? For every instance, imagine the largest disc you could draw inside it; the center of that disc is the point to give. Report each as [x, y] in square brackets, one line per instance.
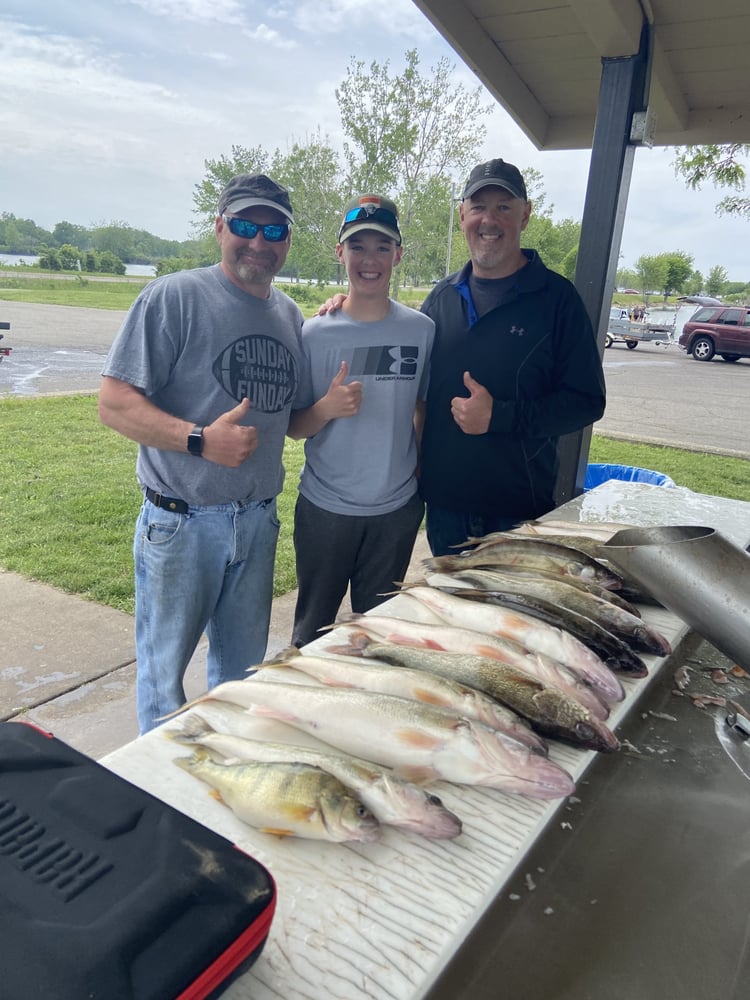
[566, 899]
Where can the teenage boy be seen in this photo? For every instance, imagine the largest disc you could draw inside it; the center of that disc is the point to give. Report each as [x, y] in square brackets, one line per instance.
[358, 510]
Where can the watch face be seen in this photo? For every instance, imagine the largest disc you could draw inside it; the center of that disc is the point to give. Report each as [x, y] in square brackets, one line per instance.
[195, 441]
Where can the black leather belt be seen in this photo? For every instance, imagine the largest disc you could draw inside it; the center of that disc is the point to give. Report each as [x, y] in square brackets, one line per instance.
[168, 503]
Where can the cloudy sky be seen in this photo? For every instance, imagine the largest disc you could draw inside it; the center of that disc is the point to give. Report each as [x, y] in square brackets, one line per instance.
[108, 112]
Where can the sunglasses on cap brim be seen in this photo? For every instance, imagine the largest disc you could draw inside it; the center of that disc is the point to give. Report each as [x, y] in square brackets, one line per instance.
[373, 214]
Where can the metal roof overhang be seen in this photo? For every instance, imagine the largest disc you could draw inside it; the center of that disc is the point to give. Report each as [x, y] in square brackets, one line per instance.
[542, 59]
[606, 75]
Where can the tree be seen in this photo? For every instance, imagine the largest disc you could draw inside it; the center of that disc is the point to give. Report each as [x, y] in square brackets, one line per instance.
[69, 257]
[721, 165]
[403, 132]
[218, 173]
[651, 273]
[716, 280]
[626, 277]
[694, 285]
[115, 238]
[49, 258]
[312, 174]
[679, 269]
[66, 232]
[21, 235]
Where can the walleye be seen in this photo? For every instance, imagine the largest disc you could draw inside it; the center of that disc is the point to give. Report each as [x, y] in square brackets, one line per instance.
[585, 547]
[602, 531]
[584, 544]
[392, 801]
[614, 652]
[290, 800]
[417, 740]
[547, 671]
[550, 711]
[620, 622]
[530, 632]
[531, 554]
[418, 685]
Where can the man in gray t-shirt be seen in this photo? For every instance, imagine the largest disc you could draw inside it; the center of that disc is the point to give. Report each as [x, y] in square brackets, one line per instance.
[360, 407]
[203, 375]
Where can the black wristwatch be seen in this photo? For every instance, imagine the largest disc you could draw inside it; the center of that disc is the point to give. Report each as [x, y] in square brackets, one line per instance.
[195, 441]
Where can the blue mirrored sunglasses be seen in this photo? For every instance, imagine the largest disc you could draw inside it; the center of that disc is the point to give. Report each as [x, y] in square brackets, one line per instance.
[273, 232]
[374, 213]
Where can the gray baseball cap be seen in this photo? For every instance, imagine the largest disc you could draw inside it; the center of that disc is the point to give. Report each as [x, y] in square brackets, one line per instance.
[248, 190]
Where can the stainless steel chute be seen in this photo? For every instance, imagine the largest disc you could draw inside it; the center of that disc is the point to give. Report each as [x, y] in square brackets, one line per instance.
[697, 574]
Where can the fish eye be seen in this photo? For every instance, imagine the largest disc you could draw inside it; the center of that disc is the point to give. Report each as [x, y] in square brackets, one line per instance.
[434, 800]
[362, 812]
[585, 731]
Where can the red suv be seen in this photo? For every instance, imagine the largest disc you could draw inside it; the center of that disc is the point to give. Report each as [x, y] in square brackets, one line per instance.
[723, 330]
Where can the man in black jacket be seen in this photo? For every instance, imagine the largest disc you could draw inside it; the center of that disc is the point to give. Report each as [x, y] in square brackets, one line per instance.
[514, 366]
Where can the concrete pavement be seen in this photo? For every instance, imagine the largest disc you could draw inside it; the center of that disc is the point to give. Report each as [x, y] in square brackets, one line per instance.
[68, 665]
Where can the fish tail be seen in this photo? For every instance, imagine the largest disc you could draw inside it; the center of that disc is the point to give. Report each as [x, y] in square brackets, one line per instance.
[191, 729]
[185, 707]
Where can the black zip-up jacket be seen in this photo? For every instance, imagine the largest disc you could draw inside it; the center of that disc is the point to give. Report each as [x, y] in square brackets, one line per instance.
[536, 355]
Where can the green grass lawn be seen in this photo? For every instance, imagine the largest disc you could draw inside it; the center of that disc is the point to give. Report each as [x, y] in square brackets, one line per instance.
[78, 291]
[69, 496]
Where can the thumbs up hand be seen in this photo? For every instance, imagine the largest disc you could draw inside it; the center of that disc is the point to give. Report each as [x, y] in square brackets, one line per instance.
[472, 413]
[228, 441]
[342, 399]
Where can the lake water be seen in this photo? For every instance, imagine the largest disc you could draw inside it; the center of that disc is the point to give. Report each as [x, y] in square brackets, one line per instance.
[134, 270]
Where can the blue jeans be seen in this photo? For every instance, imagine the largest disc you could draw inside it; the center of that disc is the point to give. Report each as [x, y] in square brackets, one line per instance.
[210, 570]
[448, 530]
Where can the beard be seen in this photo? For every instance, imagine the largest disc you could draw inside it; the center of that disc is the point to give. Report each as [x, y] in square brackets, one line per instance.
[255, 269]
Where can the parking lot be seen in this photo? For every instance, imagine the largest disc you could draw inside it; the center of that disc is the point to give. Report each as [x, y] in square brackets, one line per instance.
[661, 396]
[655, 394]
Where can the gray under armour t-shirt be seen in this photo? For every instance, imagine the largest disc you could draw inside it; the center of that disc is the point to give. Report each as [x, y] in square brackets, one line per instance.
[365, 464]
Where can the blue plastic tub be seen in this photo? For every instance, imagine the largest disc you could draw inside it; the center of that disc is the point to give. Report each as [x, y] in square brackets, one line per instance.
[596, 474]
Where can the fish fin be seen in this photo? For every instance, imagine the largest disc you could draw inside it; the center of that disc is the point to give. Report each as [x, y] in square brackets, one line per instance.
[277, 664]
[416, 738]
[415, 774]
[266, 711]
[350, 649]
[216, 794]
[281, 657]
[489, 651]
[407, 640]
[429, 698]
[276, 832]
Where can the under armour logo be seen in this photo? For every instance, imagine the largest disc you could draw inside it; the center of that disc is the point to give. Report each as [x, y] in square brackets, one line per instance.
[518, 330]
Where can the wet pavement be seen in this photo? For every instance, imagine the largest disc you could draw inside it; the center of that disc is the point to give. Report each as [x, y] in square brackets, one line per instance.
[55, 348]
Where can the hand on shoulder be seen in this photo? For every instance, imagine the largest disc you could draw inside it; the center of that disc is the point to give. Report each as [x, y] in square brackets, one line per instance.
[332, 305]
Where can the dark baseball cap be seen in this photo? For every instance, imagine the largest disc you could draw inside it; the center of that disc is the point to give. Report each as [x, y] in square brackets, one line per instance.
[497, 173]
[248, 190]
[370, 211]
